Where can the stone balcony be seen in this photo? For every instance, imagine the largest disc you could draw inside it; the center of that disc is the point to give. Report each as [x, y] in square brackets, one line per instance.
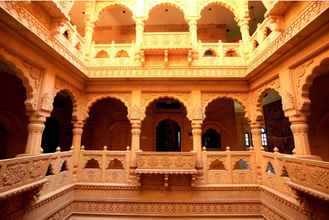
[166, 40]
[166, 163]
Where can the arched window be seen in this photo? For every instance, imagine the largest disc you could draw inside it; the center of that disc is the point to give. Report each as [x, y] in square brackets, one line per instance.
[218, 23]
[102, 54]
[168, 136]
[211, 139]
[58, 127]
[13, 119]
[209, 53]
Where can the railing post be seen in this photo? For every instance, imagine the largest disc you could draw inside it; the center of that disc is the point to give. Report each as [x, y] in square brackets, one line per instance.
[229, 162]
[257, 146]
[205, 164]
[104, 163]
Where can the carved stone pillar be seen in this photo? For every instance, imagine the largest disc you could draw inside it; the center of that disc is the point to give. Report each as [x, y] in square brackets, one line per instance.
[35, 130]
[76, 139]
[256, 132]
[197, 141]
[135, 140]
[193, 29]
[244, 29]
[139, 33]
[299, 128]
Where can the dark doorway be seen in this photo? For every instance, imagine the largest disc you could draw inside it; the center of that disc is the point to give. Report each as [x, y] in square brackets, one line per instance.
[13, 119]
[168, 136]
[211, 139]
[58, 127]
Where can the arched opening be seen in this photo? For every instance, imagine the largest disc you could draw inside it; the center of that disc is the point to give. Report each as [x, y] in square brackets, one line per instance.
[319, 117]
[168, 136]
[218, 23]
[225, 125]
[211, 139]
[257, 14]
[115, 23]
[122, 53]
[277, 132]
[13, 119]
[209, 53]
[231, 53]
[165, 18]
[102, 54]
[107, 125]
[166, 127]
[58, 127]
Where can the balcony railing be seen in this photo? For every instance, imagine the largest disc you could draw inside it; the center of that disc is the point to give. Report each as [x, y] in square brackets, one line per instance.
[166, 162]
[104, 166]
[229, 167]
[308, 176]
[113, 54]
[26, 173]
[167, 40]
[222, 54]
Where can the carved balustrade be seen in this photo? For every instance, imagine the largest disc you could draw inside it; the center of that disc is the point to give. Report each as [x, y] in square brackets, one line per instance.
[308, 176]
[220, 54]
[59, 171]
[274, 173]
[167, 40]
[166, 163]
[114, 54]
[264, 36]
[27, 173]
[104, 166]
[71, 39]
[229, 167]
[57, 9]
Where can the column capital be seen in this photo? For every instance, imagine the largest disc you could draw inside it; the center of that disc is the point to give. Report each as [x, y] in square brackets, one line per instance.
[78, 124]
[299, 128]
[256, 125]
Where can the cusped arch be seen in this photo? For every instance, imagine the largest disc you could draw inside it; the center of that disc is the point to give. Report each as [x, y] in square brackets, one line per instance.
[74, 101]
[96, 99]
[154, 4]
[260, 95]
[239, 100]
[153, 100]
[24, 72]
[101, 6]
[222, 3]
[304, 83]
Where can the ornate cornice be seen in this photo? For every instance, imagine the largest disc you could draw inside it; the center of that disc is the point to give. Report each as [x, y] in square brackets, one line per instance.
[229, 71]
